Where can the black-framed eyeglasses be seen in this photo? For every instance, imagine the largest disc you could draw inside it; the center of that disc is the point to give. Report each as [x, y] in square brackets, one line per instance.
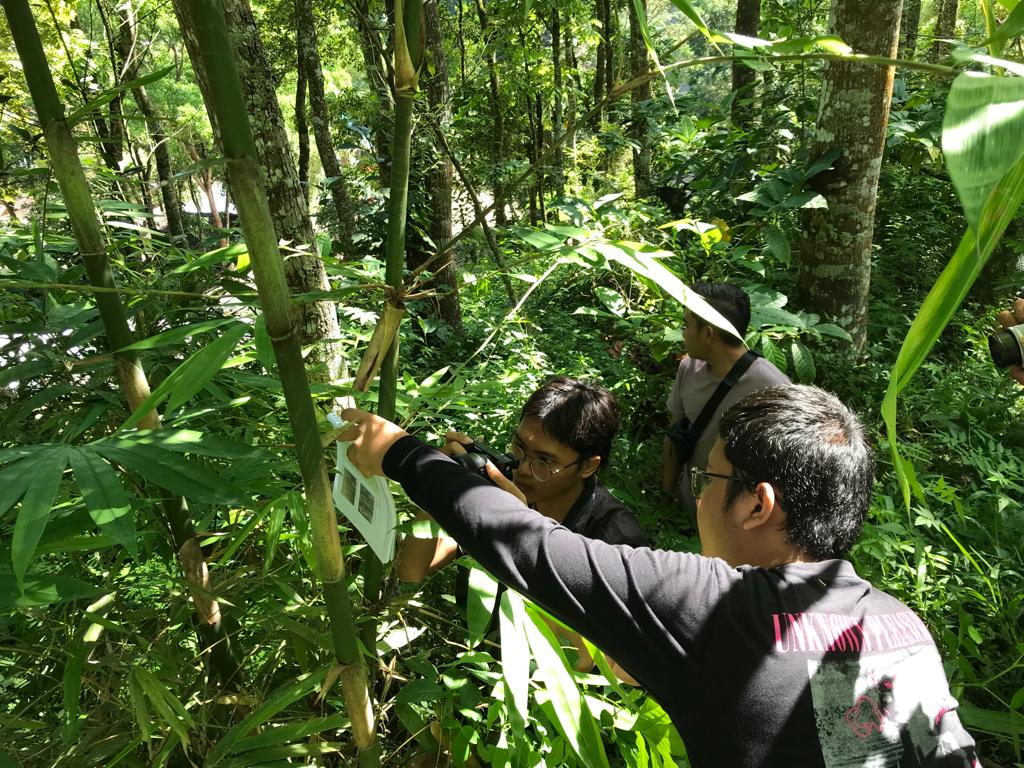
[700, 480]
[538, 468]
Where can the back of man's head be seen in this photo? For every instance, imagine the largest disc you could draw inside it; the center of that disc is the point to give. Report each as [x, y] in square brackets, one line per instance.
[731, 302]
[812, 449]
[581, 415]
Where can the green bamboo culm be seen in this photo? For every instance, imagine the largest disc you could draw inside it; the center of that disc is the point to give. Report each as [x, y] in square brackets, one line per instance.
[223, 665]
[408, 58]
[250, 198]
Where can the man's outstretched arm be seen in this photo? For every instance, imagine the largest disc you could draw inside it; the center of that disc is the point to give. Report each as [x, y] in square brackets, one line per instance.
[639, 605]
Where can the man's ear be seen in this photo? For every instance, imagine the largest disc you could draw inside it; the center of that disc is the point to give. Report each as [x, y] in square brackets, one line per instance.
[590, 466]
[767, 509]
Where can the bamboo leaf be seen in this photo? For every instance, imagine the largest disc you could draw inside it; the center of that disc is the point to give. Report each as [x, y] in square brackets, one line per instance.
[981, 136]
[175, 335]
[36, 505]
[284, 696]
[189, 377]
[515, 653]
[105, 498]
[572, 716]
[175, 473]
[42, 589]
[169, 708]
[186, 441]
[284, 734]
[483, 591]
[691, 13]
[1009, 29]
[139, 707]
[217, 255]
[110, 94]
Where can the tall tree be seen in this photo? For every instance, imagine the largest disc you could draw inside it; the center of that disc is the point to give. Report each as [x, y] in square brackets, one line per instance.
[601, 12]
[309, 61]
[908, 28]
[498, 120]
[945, 28]
[835, 254]
[302, 125]
[744, 79]
[130, 57]
[316, 321]
[377, 62]
[557, 126]
[439, 177]
[640, 97]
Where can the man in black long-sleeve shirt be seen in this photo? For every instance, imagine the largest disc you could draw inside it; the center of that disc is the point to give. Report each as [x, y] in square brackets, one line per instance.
[766, 650]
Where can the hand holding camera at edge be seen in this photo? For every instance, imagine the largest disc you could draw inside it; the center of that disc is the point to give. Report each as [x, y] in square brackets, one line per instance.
[1009, 318]
[454, 442]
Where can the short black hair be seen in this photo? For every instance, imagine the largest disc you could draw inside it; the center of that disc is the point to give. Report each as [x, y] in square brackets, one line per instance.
[732, 303]
[814, 451]
[581, 415]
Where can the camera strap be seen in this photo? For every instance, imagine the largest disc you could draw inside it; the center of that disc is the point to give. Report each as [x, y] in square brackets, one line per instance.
[735, 373]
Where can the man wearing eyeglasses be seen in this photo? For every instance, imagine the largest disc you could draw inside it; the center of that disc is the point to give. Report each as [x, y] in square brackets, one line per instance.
[564, 439]
[767, 649]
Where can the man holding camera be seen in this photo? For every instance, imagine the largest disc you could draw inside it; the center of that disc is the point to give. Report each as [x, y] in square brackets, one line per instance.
[564, 439]
[717, 372]
[766, 650]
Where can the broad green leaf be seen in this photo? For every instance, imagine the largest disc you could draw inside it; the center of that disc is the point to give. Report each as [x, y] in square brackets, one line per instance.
[173, 472]
[942, 301]
[264, 347]
[283, 697]
[829, 329]
[1009, 29]
[777, 243]
[981, 136]
[433, 378]
[419, 691]
[175, 335]
[515, 653]
[691, 13]
[35, 506]
[165, 703]
[773, 354]
[189, 377]
[573, 718]
[105, 498]
[803, 363]
[991, 721]
[483, 590]
[612, 300]
[42, 589]
[540, 240]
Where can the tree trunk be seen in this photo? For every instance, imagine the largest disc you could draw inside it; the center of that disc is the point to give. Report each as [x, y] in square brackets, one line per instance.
[601, 11]
[302, 126]
[439, 179]
[309, 58]
[127, 42]
[494, 97]
[316, 321]
[835, 263]
[908, 28]
[558, 162]
[640, 97]
[377, 61]
[744, 79]
[945, 28]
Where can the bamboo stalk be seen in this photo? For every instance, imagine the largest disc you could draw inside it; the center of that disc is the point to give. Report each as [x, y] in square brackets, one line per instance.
[268, 268]
[67, 168]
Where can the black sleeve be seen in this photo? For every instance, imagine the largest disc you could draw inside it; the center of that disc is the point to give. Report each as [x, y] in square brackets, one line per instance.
[643, 607]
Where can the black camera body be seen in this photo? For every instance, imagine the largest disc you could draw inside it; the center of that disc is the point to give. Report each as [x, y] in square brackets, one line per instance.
[478, 454]
[1007, 346]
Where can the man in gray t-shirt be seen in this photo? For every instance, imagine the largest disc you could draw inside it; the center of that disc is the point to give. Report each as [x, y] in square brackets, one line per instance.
[711, 354]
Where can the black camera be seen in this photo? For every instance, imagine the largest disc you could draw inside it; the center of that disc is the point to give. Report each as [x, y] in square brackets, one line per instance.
[1007, 346]
[477, 455]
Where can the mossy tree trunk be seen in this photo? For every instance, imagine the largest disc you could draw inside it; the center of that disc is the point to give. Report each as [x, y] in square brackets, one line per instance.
[835, 253]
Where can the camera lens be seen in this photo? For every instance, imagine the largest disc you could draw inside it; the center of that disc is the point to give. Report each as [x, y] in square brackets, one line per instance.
[1007, 347]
